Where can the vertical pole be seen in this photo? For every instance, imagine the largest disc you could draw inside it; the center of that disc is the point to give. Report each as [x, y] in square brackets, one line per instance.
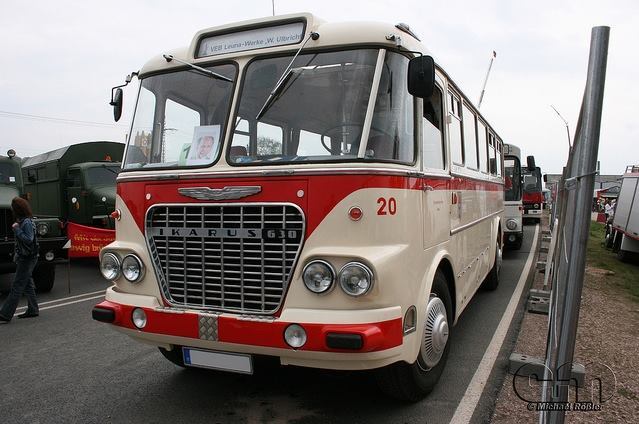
[483, 88]
[577, 191]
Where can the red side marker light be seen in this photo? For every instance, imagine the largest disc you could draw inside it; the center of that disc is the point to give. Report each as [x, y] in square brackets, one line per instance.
[116, 214]
[355, 213]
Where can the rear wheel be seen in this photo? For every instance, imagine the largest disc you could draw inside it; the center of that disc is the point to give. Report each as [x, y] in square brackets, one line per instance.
[492, 279]
[412, 382]
[44, 276]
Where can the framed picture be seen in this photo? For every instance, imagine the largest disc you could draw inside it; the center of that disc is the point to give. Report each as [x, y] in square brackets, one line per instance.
[205, 145]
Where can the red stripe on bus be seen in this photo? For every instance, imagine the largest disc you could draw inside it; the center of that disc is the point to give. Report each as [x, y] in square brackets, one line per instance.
[319, 193]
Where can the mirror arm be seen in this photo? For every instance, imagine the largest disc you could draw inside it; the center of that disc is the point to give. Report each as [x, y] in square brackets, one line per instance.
[127, 81]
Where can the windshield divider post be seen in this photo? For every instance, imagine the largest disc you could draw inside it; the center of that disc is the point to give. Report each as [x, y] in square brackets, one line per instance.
[371, 103]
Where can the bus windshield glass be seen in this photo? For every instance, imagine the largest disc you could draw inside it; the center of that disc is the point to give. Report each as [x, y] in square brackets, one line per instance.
[101, 175]
[532, 181]
[179, 119]
[512, 180]
[318, 111]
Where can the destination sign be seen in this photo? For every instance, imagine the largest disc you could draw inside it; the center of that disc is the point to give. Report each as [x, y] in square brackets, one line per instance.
[238, 233]
[258, 38]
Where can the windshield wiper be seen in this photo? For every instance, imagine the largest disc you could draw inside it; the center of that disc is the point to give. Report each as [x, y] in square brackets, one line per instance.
[110, 168]
[208, 72]
[281, 82]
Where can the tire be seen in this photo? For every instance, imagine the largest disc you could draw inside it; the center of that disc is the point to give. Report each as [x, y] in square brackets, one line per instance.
[412, 382]
[174, 355]
[492, 279]
[518, 243]
[44, 276]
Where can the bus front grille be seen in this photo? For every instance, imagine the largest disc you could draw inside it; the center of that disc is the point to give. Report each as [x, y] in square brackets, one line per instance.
[228, 257]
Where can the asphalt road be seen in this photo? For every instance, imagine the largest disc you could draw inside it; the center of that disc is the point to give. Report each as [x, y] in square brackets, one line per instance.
[63, 367]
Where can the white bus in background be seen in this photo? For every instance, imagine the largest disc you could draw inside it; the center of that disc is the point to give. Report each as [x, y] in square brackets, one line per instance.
[318, 192]
[513, 206]
[625, 223]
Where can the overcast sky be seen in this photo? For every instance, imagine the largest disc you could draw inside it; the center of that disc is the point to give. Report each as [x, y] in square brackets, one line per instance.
[59, 59]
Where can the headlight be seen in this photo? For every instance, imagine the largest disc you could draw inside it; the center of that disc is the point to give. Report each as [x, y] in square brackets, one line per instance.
[318, 276]
[356, 279]
[536, 205]
[511, 224]
[132, 268]
[110, 266]
[43, 229]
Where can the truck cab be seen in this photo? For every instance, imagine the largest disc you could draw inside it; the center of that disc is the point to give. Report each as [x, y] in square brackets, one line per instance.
[90, 193]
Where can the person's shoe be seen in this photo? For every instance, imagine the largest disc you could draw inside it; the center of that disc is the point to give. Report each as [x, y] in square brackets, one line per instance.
[28, 315]
[3, 319]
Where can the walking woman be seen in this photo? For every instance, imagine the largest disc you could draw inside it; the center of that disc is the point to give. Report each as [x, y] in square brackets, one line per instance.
[25, 257]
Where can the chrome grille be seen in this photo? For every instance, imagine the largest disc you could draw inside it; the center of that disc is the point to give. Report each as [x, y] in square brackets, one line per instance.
[227, 257]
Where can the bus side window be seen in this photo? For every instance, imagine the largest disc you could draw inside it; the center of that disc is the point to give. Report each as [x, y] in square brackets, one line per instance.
[491, 154]
[500, 157]
[482, 146]
[470, 138]
[433, 142]
[455, 135]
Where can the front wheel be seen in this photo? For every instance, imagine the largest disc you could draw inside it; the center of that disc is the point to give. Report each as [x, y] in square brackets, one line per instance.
[412, 382]
[43, 277]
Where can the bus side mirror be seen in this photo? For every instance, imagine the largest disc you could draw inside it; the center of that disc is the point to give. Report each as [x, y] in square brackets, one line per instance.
[116, 102]
[531, 163]
[545, 178]
[421, 76]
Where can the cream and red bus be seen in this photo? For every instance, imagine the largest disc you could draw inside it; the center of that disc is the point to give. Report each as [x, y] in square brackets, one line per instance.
[513, 207]
[318, 192]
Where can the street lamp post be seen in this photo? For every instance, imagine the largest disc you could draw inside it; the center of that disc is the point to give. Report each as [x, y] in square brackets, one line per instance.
[565, 122]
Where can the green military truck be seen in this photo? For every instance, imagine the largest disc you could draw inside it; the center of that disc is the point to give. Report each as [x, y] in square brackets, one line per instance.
[50, 233]
[75, 183]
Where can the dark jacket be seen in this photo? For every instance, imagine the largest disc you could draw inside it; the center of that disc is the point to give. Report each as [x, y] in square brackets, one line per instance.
[26, 241]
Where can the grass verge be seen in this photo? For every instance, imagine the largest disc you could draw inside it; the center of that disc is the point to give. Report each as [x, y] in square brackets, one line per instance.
[625, 275]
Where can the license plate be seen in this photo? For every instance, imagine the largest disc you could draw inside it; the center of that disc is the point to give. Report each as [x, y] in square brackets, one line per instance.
[234, 362]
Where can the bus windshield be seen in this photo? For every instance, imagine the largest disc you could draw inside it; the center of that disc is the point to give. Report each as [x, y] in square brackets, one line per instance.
[512, 181]
[179, 119]
[319, 109]
[532, 181]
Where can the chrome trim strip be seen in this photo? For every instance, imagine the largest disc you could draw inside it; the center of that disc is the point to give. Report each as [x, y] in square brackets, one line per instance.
[301, 172]
[163, 284]
[477, 221]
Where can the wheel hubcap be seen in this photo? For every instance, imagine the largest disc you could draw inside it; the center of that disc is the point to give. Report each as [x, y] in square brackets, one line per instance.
[435, 333]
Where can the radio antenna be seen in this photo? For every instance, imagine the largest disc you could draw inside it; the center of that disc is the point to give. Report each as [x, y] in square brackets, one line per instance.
[273, 3]
[483, 89]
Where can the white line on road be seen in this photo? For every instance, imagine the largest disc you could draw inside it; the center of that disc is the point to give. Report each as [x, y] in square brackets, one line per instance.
[22, 308]
[468, 403]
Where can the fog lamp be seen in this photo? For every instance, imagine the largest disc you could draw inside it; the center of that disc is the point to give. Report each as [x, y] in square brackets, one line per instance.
[295, 336]
[139, 318]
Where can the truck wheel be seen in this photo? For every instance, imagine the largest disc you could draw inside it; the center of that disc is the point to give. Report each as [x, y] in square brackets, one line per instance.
[518, 243]
[174, 355]
[412, 382]
[44, 276]
[492, 279]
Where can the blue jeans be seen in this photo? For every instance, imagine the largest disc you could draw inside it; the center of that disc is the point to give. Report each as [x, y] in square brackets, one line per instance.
[22, 284]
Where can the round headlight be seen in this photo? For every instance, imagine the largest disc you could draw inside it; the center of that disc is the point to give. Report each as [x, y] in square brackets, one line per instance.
[356, 279]
[132, 268]
[139, 318]
[318, 276]
[295, 336]
[110, 266]
[536, 205]
[511, 224]
[43, 229]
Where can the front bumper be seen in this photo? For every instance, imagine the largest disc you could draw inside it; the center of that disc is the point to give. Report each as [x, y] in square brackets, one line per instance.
[380, 339]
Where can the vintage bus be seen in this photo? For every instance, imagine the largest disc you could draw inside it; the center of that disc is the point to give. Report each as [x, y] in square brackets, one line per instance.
[533, 194]
[513, 206]
[318, 192]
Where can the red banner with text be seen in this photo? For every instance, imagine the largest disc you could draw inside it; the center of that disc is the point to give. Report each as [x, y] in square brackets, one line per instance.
[86, 242]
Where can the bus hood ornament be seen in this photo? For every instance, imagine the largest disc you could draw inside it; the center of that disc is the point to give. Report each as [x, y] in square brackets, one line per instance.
[226, 193]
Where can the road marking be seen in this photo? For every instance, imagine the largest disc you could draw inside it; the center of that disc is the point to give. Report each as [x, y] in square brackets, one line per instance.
[23, 308]
[468, 403]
